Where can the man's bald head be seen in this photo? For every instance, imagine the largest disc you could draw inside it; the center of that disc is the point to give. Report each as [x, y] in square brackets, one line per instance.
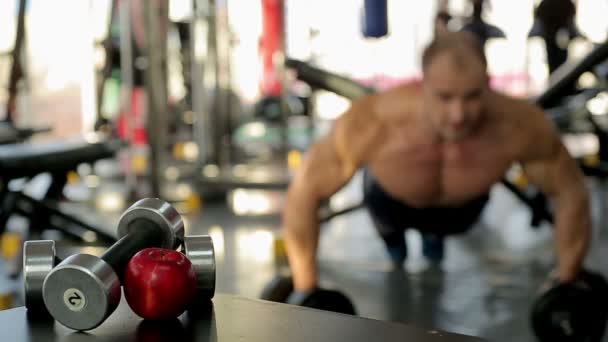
[461, 46]
[455, 84]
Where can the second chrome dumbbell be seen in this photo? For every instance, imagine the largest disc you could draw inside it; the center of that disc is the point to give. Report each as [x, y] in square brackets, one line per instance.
[201, 253]
[39, 259]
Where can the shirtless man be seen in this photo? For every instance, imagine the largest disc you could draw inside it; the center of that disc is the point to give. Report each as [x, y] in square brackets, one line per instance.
[432, 151]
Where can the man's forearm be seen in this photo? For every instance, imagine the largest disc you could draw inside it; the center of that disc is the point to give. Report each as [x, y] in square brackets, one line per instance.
[301, 230]
[572, 234]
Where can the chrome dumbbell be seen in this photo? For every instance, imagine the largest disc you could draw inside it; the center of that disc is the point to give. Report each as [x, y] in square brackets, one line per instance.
[83, 290]
[39, 258]
[201, 253]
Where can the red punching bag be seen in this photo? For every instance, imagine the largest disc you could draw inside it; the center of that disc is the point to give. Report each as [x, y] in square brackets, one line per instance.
[271, 44]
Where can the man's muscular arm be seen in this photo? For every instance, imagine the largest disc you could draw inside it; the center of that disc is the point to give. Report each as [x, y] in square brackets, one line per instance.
[329, 165]
[548, 165]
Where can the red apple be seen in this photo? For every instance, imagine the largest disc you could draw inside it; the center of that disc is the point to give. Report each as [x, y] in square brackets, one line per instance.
[159, 283]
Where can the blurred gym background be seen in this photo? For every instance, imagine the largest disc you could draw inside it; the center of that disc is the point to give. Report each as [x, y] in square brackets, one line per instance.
[206, 115]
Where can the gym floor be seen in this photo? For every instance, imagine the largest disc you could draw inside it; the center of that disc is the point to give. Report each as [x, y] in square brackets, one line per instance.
[485, 286]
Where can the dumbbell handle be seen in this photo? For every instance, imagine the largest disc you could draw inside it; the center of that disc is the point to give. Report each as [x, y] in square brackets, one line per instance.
[144, 235]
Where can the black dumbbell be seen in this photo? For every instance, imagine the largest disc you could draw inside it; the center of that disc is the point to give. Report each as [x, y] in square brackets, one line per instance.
[576, 311]
[39, 258]
[83, 290]
[280, 289]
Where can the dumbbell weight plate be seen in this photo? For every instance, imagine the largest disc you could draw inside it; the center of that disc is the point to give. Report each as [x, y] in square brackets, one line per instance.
[199, 250]
[38, 261]
[83, 293]
[159, 212]
[565, 312]
[328, 300]
[278, 289]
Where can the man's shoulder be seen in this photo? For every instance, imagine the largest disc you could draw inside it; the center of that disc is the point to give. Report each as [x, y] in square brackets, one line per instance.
[407, 88]
[514, 109]
[501, 99]
[530, 131]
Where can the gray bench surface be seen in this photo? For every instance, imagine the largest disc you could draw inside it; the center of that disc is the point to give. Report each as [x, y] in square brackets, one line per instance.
[226, 318]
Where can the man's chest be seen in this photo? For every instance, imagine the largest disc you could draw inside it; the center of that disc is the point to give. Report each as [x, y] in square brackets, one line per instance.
[450, 172]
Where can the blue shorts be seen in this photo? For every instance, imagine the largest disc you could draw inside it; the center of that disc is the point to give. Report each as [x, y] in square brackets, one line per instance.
[393, 216]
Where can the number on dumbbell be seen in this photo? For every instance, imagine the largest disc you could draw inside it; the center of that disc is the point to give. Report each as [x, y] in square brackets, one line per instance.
[74, 299]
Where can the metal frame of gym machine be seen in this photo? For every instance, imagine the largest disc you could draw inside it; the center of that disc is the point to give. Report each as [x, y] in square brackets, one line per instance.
[42, 213]
[155, 76]
[156, 91]
[212, 107]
